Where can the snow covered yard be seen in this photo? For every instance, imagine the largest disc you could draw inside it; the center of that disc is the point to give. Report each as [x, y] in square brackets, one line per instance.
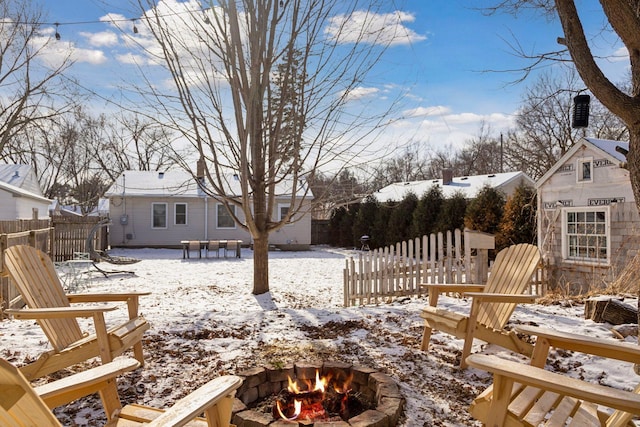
[205, 322]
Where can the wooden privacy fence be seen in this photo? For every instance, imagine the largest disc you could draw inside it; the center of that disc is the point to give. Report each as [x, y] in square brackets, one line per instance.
[452, 257]
[60, 237]
[70, 236]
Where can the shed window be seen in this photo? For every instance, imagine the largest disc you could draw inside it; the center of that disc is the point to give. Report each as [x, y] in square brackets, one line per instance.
[585, 169]
[180, 213]
[159, 214]
[224, 218]
[586, 235]
[283, 210]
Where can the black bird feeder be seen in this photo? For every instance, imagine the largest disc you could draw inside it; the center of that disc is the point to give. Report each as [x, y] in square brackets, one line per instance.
[581, 111]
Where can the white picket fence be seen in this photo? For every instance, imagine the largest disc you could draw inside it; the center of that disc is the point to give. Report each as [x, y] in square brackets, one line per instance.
[382, 274]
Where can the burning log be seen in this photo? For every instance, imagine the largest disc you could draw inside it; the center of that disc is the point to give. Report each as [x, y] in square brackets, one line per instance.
[372, 398]
[302, 405]
[319, 401]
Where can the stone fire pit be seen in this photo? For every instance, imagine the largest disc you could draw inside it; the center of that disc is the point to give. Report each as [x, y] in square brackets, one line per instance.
[261, 382]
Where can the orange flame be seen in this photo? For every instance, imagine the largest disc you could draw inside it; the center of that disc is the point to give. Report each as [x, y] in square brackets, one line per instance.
[320, 385]
[309, 397]
[296, 413]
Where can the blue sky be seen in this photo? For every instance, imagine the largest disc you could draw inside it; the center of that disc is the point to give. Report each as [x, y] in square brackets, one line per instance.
[444, 68]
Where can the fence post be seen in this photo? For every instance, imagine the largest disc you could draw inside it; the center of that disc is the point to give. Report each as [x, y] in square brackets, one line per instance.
[441, 272]
[345, 284]
[432, 256]
[425, 259]
[449, 258]
[458, 263]
[416, 265]
[386, 266]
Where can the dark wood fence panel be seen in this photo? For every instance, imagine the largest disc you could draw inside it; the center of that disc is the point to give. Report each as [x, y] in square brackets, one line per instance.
[19, 225]
[70, 236]
[60, 237]
[40, 239]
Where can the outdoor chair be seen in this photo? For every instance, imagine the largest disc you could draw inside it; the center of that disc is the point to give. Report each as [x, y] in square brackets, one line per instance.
[24, 405]
[492, 304]
[214, 247]
[34, 274]
[231, 246]
[529, 395]
[193, 245]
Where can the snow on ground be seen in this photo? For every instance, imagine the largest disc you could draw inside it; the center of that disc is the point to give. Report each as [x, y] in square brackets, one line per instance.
[205, 322]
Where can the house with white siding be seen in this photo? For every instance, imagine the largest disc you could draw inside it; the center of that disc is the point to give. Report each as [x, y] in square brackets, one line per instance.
[161, 209]
[588, 222]
[20, 194]
[469, 186]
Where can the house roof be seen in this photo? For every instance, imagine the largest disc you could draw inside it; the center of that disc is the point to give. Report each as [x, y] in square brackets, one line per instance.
[609, 149]
[20, 176]
[17, 191]
[467, 185]
[176, 183]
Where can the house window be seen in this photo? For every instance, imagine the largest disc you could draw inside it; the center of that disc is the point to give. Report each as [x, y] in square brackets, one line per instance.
[159, 214]
[585, 169]
[225, 220]
[180, 213]
[586, 235]
[283, 210]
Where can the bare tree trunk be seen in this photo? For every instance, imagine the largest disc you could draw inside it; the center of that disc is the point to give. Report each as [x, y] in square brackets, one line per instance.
[260, 90]
[261, 263]
[633, 165]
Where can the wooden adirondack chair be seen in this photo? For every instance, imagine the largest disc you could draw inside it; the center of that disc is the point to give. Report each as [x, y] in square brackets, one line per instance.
[23, 405]
[37, 280]
[529, 395]
[492, 304]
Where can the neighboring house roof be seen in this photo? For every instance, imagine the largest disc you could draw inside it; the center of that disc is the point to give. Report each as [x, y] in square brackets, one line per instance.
[17, 191]
[467, 185]
[20, 176]
[611, 150]
[176, 184]
[103, 206]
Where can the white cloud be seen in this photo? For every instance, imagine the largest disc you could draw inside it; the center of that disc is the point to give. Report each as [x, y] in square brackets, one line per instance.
[131, 59]
[103, 38]
[361, 92]
[438, 110]
[373, 28]
[621, 54]
[439, 127]
[91, 56]
[55, 52]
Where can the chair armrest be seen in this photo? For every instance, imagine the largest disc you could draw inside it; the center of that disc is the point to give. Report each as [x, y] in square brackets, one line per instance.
[584, 344]
[452, 287]
[198, 401]
[131, 299]
[435, 290]
[58, 312]
[493, 297]
[83, 383]
[76, 298]
[536, 377]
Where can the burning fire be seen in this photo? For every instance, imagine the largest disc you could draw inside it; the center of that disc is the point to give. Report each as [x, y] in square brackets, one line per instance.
[311, 402]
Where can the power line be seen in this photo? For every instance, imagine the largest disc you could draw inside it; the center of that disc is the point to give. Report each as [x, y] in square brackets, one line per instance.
[96, 21]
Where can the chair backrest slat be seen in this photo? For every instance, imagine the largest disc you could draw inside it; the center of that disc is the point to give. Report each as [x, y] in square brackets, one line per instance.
[19, 404]
[511, 274]
[36, 278]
